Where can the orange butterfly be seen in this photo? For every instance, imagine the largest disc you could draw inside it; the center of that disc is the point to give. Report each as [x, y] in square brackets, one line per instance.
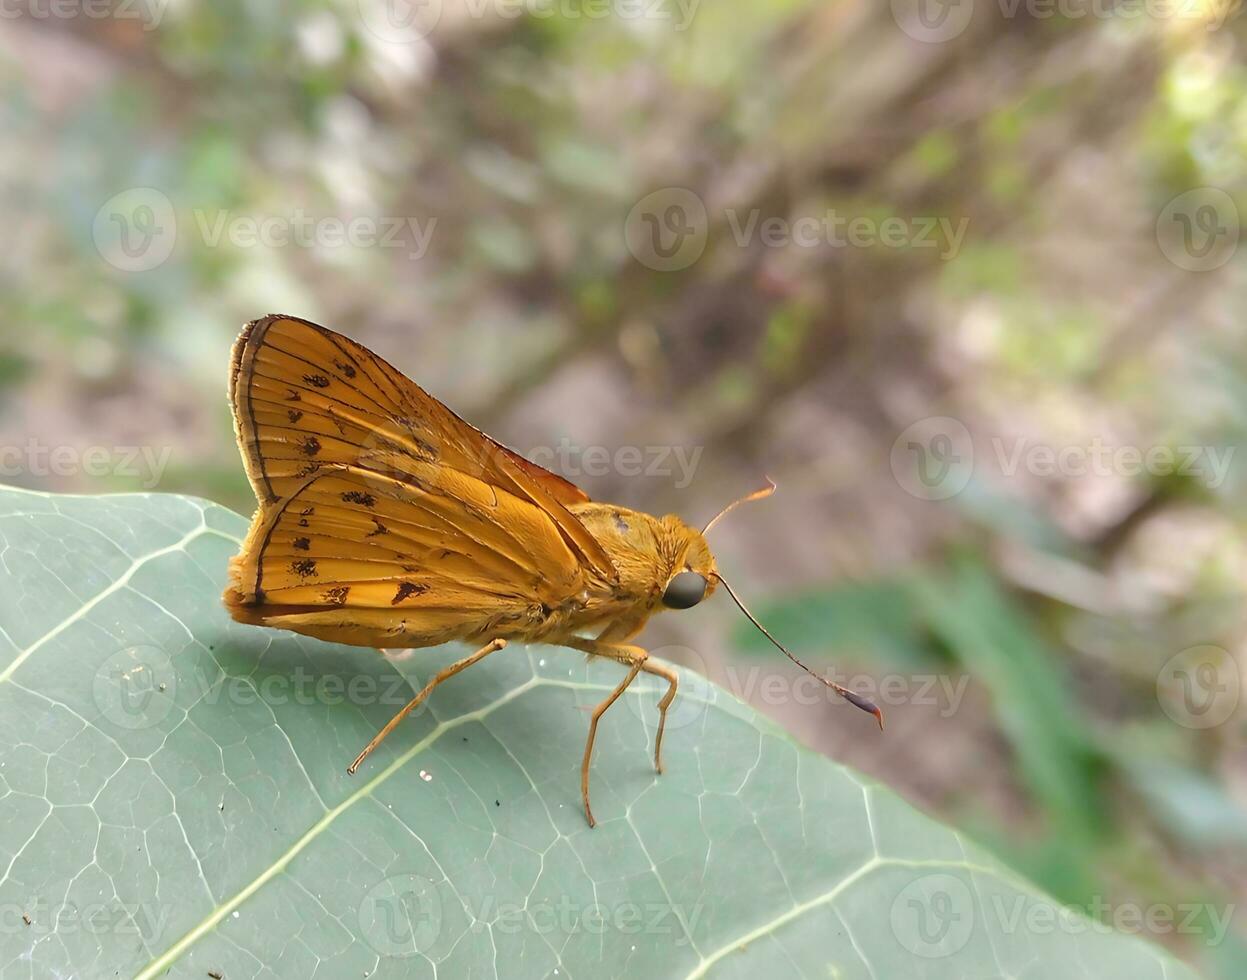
[385, 520]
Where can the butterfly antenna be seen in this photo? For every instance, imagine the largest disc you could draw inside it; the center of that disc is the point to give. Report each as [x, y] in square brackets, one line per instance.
[766, 491]
[852, 697]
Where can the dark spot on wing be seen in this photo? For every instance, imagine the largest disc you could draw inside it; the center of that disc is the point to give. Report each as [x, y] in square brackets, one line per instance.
[292, 395]
[337, 595]
[307, 469]
[293, 414]
[304, 567]
[380, 529]
[359, 497]
[620, 524]
[316, 380]
[303, 544]
[345, 368]
[310, 446]
[407, 589]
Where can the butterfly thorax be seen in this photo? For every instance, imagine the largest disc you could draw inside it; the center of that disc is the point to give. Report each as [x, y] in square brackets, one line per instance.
[646, 552]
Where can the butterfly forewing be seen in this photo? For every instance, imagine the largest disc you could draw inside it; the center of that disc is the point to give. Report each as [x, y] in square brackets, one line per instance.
[305, 397]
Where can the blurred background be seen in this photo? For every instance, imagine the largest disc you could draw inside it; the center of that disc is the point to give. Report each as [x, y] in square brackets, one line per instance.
[959, 275]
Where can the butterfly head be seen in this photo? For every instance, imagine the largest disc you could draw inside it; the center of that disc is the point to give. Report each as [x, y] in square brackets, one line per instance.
[694, 577]
[693, 574]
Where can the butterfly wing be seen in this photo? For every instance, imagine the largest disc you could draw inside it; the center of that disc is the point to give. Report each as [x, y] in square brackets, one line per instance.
[359, 557]
[306, 397]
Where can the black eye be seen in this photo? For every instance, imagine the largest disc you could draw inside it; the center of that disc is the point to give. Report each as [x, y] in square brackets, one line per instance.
[684, 591]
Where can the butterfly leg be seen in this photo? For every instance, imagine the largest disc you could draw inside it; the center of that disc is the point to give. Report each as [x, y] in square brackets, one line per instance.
[636, 660]
[673, 682]
[444, 674]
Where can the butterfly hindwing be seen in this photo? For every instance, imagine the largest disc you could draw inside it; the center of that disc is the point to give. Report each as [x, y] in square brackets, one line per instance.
[441, 556]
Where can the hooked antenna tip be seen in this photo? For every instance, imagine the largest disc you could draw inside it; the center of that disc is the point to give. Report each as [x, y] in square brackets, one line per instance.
[868, 706]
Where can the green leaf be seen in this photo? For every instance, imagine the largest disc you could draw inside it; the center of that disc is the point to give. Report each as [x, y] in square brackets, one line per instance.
[173, 802]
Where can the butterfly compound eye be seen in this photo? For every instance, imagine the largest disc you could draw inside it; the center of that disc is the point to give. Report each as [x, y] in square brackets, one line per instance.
[684, 591]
